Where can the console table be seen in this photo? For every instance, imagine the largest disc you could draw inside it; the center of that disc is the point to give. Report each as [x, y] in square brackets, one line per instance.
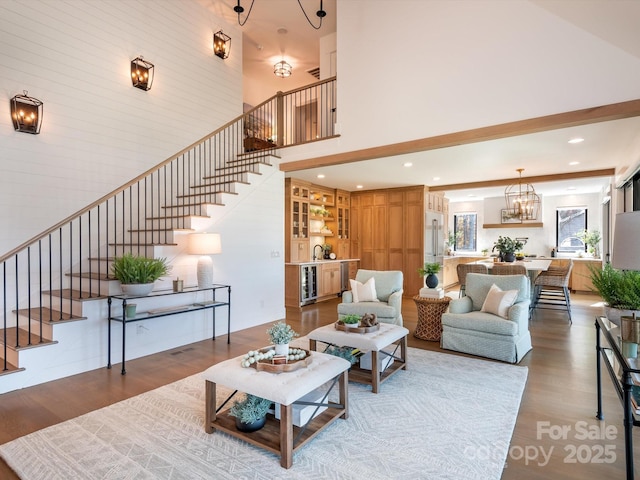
[211, 303]
[620, 373]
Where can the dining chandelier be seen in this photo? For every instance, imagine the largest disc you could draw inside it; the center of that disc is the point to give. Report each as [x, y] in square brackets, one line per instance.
[522, 200]
[239, 9]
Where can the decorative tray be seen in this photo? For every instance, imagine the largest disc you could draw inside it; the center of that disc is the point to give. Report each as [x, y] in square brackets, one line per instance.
[340, 326]
[266, 365]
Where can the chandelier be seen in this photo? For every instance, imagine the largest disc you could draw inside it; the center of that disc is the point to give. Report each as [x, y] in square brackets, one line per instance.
[522, 200]
[282, 69]
[321, 13]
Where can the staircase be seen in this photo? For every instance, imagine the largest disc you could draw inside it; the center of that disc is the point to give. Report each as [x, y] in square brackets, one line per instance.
[54, 285]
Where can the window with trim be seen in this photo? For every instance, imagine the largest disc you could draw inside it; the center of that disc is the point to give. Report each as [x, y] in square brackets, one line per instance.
[465, 231]
[569, 222]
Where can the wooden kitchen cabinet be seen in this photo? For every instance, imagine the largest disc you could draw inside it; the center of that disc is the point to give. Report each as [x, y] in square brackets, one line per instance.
[296, 220]
[329, 279]
[581, 275]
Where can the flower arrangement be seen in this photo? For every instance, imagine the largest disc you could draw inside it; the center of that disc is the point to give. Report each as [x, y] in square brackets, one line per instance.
[506, 245]
[280, 333]
[350, 319]
[591, 238]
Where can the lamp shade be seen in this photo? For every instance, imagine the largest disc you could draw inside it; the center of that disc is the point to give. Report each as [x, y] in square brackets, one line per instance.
[626, 241]
[204, 243]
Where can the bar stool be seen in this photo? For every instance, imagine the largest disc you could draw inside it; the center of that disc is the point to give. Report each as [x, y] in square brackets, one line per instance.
[463, 268]
[551, 288]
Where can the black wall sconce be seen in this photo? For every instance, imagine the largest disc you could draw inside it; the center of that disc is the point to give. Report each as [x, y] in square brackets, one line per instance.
[141, 73]
[26, 113]
[221, 45]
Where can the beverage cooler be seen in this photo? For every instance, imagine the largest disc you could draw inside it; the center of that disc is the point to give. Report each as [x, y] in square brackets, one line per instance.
[308, 284]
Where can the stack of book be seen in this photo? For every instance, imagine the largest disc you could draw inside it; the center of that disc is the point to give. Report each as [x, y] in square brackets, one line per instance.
[432, 292]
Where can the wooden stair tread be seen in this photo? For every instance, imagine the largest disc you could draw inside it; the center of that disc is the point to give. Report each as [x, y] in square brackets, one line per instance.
[215, 184]
[74, 295]
[232, 171]
[143, 244]
[11, 368]
[177, 216]
[23, 339]
[49, 316]
[92, 275]
[200, 194]
[161, 230]
[189, 205]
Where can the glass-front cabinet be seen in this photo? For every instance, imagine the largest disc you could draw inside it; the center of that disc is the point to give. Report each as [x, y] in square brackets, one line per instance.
[297, 220]
[343, 201]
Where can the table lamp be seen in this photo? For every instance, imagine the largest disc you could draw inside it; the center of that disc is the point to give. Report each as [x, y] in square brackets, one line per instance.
[205, 245]
[626, 256]
[626, 241]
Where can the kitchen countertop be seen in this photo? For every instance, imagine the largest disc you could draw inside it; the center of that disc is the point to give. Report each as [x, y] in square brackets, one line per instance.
[317, 262]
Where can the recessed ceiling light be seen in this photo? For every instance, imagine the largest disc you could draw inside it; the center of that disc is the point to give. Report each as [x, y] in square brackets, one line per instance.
[574, 163]
[471, 195]
[408, 164]
[576, 140]
[359, 186]
[321, 175]
[571, 188]
[435, 179]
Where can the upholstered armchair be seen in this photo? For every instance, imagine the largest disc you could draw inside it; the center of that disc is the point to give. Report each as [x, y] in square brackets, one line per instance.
[387, 301]
[466, 328]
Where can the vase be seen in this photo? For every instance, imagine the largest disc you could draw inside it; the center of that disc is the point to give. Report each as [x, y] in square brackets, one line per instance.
[509, 257]
[282, 348]
[250, 427]
[137, 289]
[614, 314]
[431, 280]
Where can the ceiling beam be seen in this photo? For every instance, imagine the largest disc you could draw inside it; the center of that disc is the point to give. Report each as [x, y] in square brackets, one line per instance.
[605, 172]
[604, 113]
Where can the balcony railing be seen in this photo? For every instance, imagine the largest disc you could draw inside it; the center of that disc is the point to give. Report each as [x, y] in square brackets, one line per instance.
[69, 261]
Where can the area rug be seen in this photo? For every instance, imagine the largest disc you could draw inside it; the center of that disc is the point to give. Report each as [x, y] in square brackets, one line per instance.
[446, 417]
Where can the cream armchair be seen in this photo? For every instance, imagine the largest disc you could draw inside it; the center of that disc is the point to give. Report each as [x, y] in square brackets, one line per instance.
[465, 328]
[389, 289]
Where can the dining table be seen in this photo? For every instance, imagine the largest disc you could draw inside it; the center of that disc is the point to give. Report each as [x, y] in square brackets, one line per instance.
[533, 265]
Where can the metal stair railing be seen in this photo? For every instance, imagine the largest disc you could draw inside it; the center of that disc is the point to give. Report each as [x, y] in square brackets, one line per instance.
[44, 276]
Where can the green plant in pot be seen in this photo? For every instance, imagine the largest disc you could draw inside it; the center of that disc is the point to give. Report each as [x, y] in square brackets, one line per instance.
[507, 248]
[620, 290]
[591, 239]
[137, 274]
[429, 271]
[280, 335]
[250, 412]
[351, 321]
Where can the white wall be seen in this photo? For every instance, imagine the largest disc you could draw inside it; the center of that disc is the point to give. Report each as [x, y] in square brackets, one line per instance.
[409, 69]
[540, 240]
[98, 130]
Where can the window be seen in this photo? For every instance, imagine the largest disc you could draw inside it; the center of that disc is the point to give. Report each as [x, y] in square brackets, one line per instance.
[465, 231]
[569, 222]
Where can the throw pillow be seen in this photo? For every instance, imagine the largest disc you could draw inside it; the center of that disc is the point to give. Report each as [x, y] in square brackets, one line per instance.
[364, 292]
[498, 301]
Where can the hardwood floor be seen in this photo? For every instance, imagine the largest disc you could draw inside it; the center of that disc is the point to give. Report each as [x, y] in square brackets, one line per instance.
[560, 392]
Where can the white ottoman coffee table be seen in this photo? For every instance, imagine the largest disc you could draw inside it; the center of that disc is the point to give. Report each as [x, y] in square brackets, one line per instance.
[277, 436]
[392, 336]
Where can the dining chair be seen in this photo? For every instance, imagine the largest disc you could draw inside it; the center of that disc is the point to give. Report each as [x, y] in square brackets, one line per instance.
[463, 268]
[509, 270]
[551, 289]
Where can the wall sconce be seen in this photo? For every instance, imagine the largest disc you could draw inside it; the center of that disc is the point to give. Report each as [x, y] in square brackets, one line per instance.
[221, 45]
[141, 73]
[205, 245]
[26, 113]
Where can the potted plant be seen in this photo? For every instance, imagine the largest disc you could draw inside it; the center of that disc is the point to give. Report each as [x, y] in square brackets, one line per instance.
[137, 274]
[620, 290]
[280, 335]
[250, 412]
[351, 321]
[429, 271]
[591, 239]
[507, 248]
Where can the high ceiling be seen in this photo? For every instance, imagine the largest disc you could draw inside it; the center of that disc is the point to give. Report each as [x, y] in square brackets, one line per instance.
[605, 145]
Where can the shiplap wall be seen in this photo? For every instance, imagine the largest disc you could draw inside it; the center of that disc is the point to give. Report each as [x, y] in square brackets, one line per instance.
[98, 130]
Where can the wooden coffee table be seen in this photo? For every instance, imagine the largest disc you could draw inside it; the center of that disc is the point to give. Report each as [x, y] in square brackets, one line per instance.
[387, 336]
[278, 436]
